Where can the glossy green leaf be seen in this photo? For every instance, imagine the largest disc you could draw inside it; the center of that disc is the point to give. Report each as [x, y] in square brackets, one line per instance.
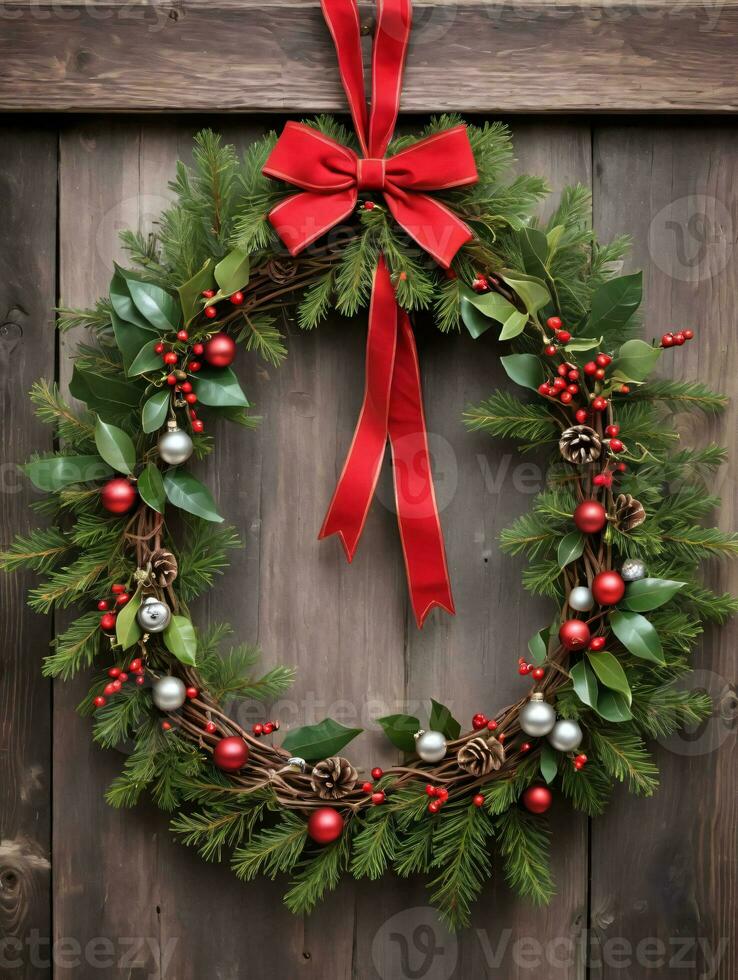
[530, 289]
[570, 548]
[585, 683]
[125, 308]
[650, 593]
[232, 272]
[190, 292]
[514, 325]
[314, 742]
[180, 640]
[130, 339]
[219, 388]
[637, 635]
[614, 302]
[553, 237]
[583, 343]
[609, 672]
[480, 311]
[101, 392]
[635, 361]
[538, 647]
[115, 446]
[55, 472]
[400, 730]
[156, 305]
[473, 319]
[127, 630]
[613, 706]
[151, 488]
[524, 369]
[156, 410]
[534, 250]
[549, 762]
[186, 492]
[441, 720]
[146, 360]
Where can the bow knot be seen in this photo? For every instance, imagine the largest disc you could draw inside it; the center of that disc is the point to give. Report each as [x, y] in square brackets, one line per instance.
[370, 174]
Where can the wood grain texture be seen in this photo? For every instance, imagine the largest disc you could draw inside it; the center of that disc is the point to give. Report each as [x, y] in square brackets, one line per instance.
[27, 298]
[674, 190]
[466, 56]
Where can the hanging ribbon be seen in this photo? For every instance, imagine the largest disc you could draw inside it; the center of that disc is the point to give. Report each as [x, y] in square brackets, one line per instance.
[331, 176]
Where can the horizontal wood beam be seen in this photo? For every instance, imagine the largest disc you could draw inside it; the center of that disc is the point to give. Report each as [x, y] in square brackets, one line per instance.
[244, 55]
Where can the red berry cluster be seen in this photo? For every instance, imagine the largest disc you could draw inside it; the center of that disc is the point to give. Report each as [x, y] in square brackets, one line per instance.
[564, 387]
[118, 678]
[580, 761]
[180, 363]
[109, 607]
[438, 794]
[480, 721]
[537, 673]
[560, 336]
[264, 728]
[483, 282]
[676, 339]
[211, 312]
[378, 795]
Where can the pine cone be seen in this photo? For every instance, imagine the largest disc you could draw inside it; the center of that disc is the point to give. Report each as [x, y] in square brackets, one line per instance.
[480, 756]
[333, 778]
[580, 444]
[629, 512]
[281, 271]
[163, 567]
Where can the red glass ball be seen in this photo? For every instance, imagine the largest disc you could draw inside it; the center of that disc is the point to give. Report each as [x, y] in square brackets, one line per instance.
[325, 825]
[608, 588]
[590, 517]
[220, 350]
[574, 634]
[118, 495]
[230, 754]
[537, 799]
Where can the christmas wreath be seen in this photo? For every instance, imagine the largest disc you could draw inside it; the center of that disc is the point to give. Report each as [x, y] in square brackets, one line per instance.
[614, 540]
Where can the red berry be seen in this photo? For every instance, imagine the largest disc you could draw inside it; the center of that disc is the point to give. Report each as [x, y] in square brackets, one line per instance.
[442, 794]
[602, 480]
[501, 737]
[478, 800]
[159, 348]
[117, 589]
[621, 467]
[602, 360]
[562, 370]
[198, 425]
[268, 728]
[590, 367]
[523, 669]
[257, 729]
[369, 205]
[402, 277]
[625, 389]
[378, 797]
[538, 673]
[582, 415]
[237, 298]
[430, 790]
[117, 684]
[170, 357]
[194, 366]
[109, 689]
[377, 773]
[543, 389]
[480, 284]
[554, 323]
[166, 726]
[135, 665]
[191, 398]
[667, 340]
[578, 766]
[573, 389]
[573, 375]
[99, 701]
[211, 727]
[192, 693]
[211, 312]
[140, 681]
[597, 643]
[599, 404]
[186, 387]
[525, 747]
[479, 723]
[612, 430]
[107, 622]
[583, 759]
[198, 349]
[114, 672]
[600, 373]
[122, 599]
[688, 334]
[171, 380]
[102, 605]
[208, 293]
[123, 676]
[492, 725]
[559, 384]
[367, 788]
[434, 806]
[182, 335]
[549, 349]
[679, 339]
[566, 397]
[616, 446]
[563, 336]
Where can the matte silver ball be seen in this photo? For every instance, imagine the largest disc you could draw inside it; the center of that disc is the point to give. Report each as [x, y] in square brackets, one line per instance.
[175, 446]
[169, 693]
[566, 735]
[430, 746]
[633, 569]
[537, 717]
[154, 615]
[581, 598]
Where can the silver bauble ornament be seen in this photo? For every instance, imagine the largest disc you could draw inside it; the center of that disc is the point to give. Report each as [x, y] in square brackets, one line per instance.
[169, 693]
[537, 717]
[430, 746]
[153, 616]
[633, 569]
[297, 763]
[175, 446]
[565, 736]
[581, 598]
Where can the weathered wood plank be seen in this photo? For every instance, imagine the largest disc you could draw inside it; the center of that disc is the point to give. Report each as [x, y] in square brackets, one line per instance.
[466, 56]
[28, 157]
[670, 907]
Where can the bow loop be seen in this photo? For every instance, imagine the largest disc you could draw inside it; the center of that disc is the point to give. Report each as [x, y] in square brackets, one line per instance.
[370, 174]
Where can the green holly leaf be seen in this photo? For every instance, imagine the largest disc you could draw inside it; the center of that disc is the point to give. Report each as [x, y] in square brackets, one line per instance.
[534, 250]
[514, 325]
[219, 388]
[538, 646]
[190, 292]
[400, 730]
[650, 593]
[52, 473]
[146, 360]
[180, 640]
[637, 635]
[549, 762]
[635, 361]
[613, 706]
[186, 492]
[441, 720]
[583, 343]
[315, 742]
[480, 311]
[155, 411]
[524, 369]
[232, 272]
[530, 289]
[151, 488]
[585, 683]
[615, 301]
[115, 446]
[125, 308]
[609, 672]
[158, 307]
[127, 630]
[570, 548]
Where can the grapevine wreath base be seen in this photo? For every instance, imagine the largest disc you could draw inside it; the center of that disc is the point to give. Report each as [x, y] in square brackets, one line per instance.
[613, 540]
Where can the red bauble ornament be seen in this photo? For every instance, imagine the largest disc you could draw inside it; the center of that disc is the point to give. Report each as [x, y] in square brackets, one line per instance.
[590, 517]
[608, 588]
[574, 634]
[118, 495]
[537, 799]
[325, 825]
[220, 350]
[230, 754]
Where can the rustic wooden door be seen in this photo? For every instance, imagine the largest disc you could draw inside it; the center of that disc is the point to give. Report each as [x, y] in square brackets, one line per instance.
[649, 890]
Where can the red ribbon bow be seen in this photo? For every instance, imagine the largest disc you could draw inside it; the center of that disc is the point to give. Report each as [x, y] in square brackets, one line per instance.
[331, 176]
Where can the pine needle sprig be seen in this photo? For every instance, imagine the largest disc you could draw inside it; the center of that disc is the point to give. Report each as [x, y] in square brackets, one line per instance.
[461, 855]
[318, 874]
[523, 841]
[273, 850]
[39, 550]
